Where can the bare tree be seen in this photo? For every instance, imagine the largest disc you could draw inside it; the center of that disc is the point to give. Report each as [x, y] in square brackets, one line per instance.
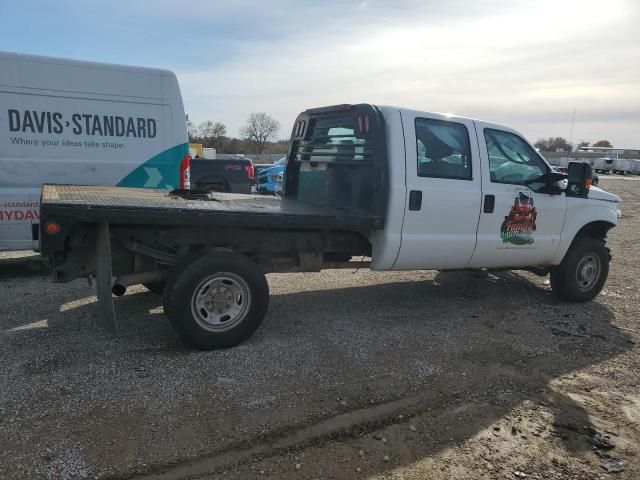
[211, 132]
[259, 128]
[553, 144]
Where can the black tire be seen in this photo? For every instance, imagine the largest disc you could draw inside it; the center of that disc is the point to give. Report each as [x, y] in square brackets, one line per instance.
[594, 182]
[155, 287]
[197, 281]
[571, 280]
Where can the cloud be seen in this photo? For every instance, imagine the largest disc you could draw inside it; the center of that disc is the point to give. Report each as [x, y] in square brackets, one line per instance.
[526, 66]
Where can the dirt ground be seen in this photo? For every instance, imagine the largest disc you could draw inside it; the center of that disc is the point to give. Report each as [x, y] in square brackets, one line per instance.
[404, 375]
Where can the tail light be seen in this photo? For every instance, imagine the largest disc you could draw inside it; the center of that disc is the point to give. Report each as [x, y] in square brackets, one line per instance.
[185, 173]
[364, 124]
[298, 129]
[249, 170]
[52, 228]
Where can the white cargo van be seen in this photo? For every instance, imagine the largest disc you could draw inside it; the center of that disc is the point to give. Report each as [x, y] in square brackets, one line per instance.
[70, 122]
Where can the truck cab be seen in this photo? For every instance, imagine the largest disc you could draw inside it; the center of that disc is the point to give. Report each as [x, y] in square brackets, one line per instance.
[454, 192]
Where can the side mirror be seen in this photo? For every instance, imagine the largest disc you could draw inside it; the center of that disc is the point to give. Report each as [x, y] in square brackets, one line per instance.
[556, 182]
[579, 179]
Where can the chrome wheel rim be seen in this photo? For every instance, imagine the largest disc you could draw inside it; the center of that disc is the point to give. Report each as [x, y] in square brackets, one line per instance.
[588, 272]
[220, 302]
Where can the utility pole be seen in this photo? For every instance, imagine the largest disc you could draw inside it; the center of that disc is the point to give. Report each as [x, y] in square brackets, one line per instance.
[573, 119]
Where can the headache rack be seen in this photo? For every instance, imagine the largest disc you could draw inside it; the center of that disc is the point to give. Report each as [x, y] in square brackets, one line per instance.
[337, 158]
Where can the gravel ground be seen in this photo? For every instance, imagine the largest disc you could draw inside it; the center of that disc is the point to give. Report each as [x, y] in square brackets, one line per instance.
[416, 375]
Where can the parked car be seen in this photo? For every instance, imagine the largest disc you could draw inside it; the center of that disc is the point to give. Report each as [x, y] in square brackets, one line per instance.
[234, 176]
[258, 168]
[279, 183]
[412, 190]
[267, 179]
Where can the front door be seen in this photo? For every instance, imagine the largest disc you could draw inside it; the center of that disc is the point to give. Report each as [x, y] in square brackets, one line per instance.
[443, 192]
[520, 224]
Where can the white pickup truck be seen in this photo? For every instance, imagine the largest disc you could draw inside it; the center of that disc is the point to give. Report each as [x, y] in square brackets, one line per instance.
[408, 189]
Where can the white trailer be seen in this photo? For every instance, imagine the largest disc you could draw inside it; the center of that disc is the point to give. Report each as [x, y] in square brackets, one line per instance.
[603, 165]
[621, 165]
[209, 153]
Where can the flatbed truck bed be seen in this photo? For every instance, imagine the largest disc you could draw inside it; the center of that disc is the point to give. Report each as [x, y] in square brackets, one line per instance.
[118, 236]
[143, 206]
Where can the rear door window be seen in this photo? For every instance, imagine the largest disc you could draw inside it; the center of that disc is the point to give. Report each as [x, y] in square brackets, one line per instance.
[443, 149]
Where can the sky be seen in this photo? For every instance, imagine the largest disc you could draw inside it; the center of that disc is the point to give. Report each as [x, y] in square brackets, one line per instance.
[526, 64]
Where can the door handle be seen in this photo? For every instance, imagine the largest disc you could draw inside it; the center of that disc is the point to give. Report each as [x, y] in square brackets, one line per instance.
[415, 200]
[489, 203]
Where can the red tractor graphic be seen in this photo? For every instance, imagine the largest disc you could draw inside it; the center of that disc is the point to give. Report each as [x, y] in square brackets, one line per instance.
[519, 225]
[523, 210]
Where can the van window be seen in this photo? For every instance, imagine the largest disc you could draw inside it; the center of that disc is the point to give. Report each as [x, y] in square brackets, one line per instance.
[512, 160]
[443, 149]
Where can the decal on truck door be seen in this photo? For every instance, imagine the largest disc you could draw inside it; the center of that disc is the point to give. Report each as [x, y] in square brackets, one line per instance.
[520, 223]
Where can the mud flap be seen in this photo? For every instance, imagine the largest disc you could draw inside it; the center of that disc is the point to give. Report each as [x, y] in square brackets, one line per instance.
[106, 312]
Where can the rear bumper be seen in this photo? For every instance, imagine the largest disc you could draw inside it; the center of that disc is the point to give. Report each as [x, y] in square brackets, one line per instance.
[240, 187]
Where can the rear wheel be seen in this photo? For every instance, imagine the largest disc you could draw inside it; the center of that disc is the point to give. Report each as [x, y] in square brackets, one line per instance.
[217, 300]
[583, 271]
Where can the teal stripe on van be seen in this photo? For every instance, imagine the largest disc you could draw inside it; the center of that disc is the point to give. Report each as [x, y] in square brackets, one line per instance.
[161, 171]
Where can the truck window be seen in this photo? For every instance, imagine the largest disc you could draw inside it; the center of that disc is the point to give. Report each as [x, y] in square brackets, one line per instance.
[512, 160]
[443, 149]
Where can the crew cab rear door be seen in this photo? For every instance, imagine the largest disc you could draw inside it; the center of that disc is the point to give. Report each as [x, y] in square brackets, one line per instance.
[443, 192]
[521, 222]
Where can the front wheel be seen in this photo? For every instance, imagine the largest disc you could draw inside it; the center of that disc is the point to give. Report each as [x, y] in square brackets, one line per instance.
[583, 271]
[217, 300]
